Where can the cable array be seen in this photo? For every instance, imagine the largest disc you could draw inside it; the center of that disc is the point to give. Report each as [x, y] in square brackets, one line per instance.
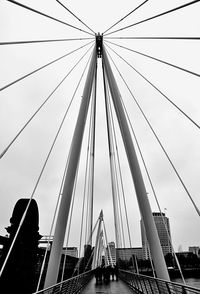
[121, 217]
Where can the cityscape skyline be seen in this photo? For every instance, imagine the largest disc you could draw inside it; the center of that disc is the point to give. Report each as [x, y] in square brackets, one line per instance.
[141, 252]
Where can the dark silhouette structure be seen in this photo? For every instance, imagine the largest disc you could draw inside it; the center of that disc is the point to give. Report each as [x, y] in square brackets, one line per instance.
[19, 273]
[99, 45]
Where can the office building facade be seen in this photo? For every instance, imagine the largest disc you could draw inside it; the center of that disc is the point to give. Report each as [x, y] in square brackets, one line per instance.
[164, 234]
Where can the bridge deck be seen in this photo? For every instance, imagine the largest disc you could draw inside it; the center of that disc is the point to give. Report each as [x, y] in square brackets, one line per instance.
[114, 287]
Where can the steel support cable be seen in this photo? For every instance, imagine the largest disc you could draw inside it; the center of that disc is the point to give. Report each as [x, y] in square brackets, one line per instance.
[71, 214]
[111, 156]
[154, 193]
[123, 193]
[86, 173]
[147, 173]
[40, 107]
[151, 260]
[61, 188]
[36, 185]
[153, 38]
[42, 41]
[116, 216]
[52, 224]
[126, 16]
[73, 97]
[48, 16]
[155, 16]
[112, 128]
[159, 60]
[75, 16]
[156, 88]
[87, 179]
[83, 204]
[89, 260]
[93, 230]
[41, 67]
[91, 148]
[70, 222]
[121, 181]
[161, 145]
[78, 263]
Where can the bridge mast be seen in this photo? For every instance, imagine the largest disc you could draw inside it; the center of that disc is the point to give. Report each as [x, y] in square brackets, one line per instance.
[59, 235]
[144, 206]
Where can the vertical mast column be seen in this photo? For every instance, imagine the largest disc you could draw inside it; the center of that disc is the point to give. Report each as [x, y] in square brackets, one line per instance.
[143, 202]
[59, 235]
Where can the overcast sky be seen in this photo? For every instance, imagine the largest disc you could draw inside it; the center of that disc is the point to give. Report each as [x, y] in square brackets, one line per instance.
[21, 165]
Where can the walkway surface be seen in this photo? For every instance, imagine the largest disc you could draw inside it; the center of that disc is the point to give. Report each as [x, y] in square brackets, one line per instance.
[114, 287]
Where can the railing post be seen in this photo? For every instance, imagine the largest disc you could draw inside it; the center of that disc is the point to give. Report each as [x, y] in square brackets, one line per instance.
[150, 285]
[168, 288]
[158, 288]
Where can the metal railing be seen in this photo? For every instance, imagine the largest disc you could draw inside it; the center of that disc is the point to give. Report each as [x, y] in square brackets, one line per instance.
[149, 285]
[71, 286]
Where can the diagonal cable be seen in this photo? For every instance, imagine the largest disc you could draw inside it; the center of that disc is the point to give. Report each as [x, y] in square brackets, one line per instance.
[115, 148]
[121, 180]
[41, 67]
[42, 41]
[159, 60]
[75, 16]
[157, 89]
[40, 107]
[151, 183]
[152, 187]
[88, 167]
[155, 16]
[160, 143]
[52, 223]
[112, 164]
[70, 222]
[38, 181]
[46, 15]
[152, 38]
[126, 16]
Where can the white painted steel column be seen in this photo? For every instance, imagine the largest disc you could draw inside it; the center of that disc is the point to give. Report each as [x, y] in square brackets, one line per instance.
[59, 235]
[143, 202]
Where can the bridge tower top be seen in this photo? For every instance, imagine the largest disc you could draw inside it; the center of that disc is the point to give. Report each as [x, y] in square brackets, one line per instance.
[99, 43]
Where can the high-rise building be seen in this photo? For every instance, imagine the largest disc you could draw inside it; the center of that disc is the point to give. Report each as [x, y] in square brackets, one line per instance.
[111, 253]
[163, 229]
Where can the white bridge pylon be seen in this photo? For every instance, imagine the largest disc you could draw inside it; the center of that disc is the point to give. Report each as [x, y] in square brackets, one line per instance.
[143, 202]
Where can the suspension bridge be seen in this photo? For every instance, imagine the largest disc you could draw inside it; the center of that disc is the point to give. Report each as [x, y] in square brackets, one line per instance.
[85, 147]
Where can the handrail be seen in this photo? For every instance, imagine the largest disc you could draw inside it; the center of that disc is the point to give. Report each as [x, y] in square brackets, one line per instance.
[69, 286]
[149, 285]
